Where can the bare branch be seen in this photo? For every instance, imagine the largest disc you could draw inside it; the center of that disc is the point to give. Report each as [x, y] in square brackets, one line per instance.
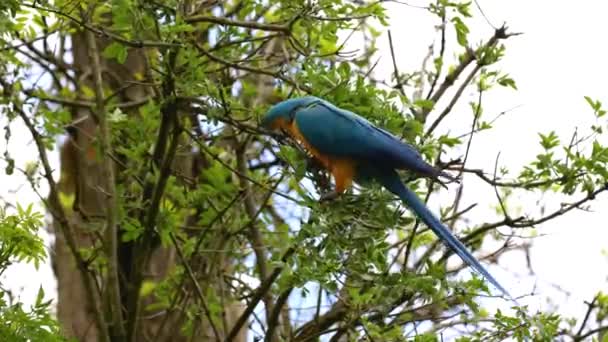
[197, 287]
[441, 55]
[273, 320]
[238, 66]
[238, 23]
[453, 101]
[467, 59]
[28, 42]
[395, 68]
[590, 307]
[522, 185]
[591, 332]
[102, 32]
[258, 295]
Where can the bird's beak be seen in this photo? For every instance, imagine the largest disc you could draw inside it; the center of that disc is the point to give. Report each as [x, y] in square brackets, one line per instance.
[270, 128]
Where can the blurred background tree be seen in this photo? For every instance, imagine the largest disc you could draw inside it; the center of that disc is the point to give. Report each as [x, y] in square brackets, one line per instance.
[177, 219]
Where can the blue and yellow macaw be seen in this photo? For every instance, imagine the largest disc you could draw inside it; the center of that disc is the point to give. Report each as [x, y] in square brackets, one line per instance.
[353, 149]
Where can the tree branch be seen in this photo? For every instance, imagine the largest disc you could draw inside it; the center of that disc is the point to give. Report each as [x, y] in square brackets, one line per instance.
[590, 307]
[591, 332]
[113, 301]
[273, 320]
[238, 23]
[197, 287]
[441, 54]
[524, 185]
[162, 158]
[104, 33]
[395, 68]
[251, 69]
[469, 57]
[258, 295]
[453, 101]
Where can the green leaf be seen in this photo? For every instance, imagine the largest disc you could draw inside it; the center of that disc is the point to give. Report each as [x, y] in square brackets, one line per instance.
[117, 51]
[147, 287]
[117, 116]
[549, 141]
[464, 9]
[596, 106]
[39, 296]
[507, 81]
[424, 104]
[462, 31]
[449, 141]
[590, 102]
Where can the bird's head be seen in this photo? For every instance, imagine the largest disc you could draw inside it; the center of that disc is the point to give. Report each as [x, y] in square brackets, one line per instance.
[284, 112]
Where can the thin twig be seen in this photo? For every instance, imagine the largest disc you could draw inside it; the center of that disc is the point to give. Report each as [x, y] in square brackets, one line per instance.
[590, 307]
[467, 59]
[453, 101]
[258, 295]
[250, 69]
[395, 68]
[206, 150]
[102, 32]
[525, 185]
[591, 332]
[273, 319]
[500, 201]
[28, 42]
[441, 55]
[197, 287]
[238, 23]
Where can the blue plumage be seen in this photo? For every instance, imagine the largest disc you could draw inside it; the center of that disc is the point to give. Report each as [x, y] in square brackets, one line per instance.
[392, 182]
[372, 153]
[338, 132]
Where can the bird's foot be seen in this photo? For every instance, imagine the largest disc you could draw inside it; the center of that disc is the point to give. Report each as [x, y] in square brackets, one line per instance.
[329, 196]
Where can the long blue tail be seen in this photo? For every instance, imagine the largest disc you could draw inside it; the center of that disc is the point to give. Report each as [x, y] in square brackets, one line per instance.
[393, 183]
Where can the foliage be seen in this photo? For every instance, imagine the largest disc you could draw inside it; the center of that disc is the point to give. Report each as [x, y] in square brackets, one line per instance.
[194, 173]
[19, 239]
[20, 243]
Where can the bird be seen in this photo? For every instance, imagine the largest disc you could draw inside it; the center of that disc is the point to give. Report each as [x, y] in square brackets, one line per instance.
[352, 149]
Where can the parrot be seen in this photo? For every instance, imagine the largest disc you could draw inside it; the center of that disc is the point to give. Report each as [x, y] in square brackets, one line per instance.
[352, 149]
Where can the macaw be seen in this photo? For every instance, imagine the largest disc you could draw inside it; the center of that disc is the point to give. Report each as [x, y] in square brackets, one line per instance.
[353, 149]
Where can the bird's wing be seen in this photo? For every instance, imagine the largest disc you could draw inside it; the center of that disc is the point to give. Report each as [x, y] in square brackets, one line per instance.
[341, 133]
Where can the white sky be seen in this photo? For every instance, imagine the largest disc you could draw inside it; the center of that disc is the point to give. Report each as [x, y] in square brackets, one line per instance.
[560, 58]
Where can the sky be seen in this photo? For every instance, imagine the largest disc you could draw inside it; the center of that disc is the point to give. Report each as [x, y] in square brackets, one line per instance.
[559, 59]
